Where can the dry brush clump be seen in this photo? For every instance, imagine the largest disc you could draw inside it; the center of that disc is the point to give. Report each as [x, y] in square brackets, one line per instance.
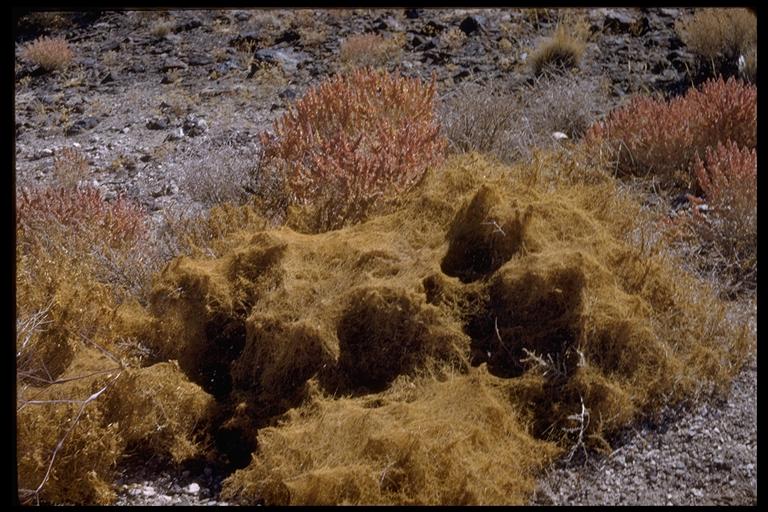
[352, 141]
[80, 268]
[720, 36]
[369, 50]
[727, 176]
[510, 125]
[438, 353]
[658, 138]
[70, 167]
[563, 50]
[50, 53]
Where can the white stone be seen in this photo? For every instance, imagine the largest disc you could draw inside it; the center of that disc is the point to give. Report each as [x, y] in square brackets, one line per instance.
[193, 488]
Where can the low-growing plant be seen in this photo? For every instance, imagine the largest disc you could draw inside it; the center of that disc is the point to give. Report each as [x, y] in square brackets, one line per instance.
[561, 51]
[50, 53]
[70, 167]
[453, 38]
[727, 175]
[720, 36]
[651, 136]
[353, 140]
[510, 125]
[161, 28]
[369, 50]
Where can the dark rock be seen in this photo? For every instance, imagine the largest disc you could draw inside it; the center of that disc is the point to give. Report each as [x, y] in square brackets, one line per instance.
[199, 59]
[81, 125]
[436, 56]
[682, 62]
[137, 67]
[288, 94]
[426, 45]
[158, 123]
[461, 75]
[413, 14]
[194, 126]
[188, 25]
[288, 36]
[472, 24]
[242, 15]
[110, 76]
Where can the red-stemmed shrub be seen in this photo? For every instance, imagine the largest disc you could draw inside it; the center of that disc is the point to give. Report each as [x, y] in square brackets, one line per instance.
[649, 136]
[353, 140]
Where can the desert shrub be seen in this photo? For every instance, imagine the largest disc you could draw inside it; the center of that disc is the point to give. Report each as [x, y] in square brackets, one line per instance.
[161, 28]
[369, 50]
[728, 177]
[650, 136]
[538, 283]
[720, 36]
[75, 253]
[159, 411]
[453, 38]
[216, 173]
[510, 125]
[353, 140]
[70, 167]
[561, 51]
[83, 464]
[83, 213]
[49, 53]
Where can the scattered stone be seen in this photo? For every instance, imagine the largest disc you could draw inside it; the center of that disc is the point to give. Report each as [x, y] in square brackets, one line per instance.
[158, 123]
[82, 125]
[193, 488]
[413, 14]
[177, 134]
[288, 36]
[194, 126]
[472, 24]
[289, 59]
[199, 59]
[189, 25]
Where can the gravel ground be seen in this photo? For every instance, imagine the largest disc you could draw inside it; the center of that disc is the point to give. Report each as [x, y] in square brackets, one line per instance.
[703, 456]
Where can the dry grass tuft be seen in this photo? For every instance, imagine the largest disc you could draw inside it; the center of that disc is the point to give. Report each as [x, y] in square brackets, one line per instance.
[50, 53]
[369, 50]
[511, 125]
[70, 168]
[720, 36]
[561, 51]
